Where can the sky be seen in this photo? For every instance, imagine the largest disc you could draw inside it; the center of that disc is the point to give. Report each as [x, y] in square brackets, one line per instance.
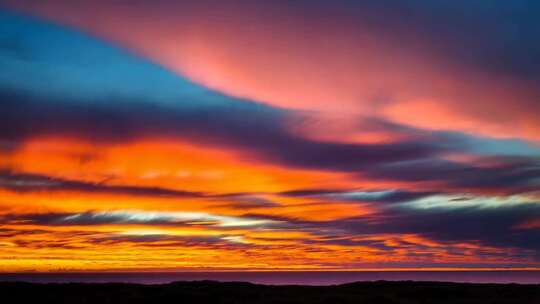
[269, 135]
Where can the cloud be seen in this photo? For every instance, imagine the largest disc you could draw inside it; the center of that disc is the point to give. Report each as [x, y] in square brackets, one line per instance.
[383, 196]
[244, 201]
[376, 132]
[127, 217]
[173, 241]
[444, 220]
[33, 182]
[480, 225]
[507, 174]
[259, 131]
[459, 64]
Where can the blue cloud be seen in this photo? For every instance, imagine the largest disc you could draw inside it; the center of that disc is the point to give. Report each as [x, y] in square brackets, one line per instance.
[52, 61]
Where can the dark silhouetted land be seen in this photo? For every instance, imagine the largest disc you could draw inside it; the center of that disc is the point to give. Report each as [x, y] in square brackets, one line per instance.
[214, 292]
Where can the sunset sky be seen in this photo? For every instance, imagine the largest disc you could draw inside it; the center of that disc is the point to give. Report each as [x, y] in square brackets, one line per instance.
[145, 135]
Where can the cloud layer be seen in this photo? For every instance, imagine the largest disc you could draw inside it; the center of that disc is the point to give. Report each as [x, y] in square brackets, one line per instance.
[269, 135]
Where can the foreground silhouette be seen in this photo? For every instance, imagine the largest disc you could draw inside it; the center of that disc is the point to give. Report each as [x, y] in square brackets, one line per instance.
[214, 292]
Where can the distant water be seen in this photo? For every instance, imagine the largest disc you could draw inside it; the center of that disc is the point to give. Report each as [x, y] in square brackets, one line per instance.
[284, 278]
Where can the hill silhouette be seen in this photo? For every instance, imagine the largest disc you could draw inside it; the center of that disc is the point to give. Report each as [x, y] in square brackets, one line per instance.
[381, 292]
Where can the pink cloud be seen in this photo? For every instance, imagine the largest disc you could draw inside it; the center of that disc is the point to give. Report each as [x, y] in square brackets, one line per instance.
[302, 58]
